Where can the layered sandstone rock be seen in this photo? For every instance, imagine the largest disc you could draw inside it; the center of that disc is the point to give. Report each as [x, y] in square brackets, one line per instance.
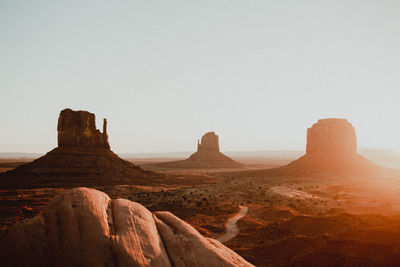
[206, 156]
[332, 149]
[331, 137]
[78, 129]
[84, 227]
[82, 158]
[209, 142]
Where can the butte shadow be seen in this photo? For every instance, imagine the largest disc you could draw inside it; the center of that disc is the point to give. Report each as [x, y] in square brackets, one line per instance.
[331, 150]
[207, 156]
[82, 158]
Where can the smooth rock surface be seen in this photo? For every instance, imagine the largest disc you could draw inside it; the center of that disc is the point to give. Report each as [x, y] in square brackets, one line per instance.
[84, 227]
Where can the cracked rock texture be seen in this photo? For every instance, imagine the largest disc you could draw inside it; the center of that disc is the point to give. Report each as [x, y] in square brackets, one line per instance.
[84, 227]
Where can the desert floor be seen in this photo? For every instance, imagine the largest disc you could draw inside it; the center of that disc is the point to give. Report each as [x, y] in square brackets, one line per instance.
[290, 220]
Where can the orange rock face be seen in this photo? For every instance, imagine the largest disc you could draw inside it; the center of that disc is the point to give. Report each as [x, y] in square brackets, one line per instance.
[331, 137]
[208, 154]
[84, 227]
[78, 129]
[209, 142]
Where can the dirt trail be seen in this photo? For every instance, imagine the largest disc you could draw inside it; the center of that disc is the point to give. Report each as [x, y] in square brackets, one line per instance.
[231, 228]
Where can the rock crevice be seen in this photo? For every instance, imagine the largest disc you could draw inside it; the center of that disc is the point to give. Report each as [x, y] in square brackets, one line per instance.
[80, 236]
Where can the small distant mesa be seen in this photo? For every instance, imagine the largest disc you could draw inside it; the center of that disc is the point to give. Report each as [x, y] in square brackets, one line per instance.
[207, 156]
[82, 158]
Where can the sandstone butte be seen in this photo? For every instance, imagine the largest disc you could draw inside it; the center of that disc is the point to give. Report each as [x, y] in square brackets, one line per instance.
[84, 227]
[207, 155]
[82, 158]
[331, 150]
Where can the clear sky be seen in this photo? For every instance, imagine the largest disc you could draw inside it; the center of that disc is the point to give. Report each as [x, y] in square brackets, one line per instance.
[165, 72]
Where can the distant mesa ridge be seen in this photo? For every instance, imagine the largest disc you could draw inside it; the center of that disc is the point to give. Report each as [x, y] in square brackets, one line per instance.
[83, 157]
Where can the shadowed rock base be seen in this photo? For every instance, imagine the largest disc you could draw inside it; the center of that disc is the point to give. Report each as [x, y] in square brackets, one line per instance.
[84, 227]
[74, 166]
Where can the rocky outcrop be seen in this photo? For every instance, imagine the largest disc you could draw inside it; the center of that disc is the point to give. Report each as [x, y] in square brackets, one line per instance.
[84, 227]
[332, 149]
[78, 129]
[207, 156]
[209, 142]
[331, 138]
[82, 158]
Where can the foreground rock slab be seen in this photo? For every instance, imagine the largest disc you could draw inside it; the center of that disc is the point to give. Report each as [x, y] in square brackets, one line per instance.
[84, 227]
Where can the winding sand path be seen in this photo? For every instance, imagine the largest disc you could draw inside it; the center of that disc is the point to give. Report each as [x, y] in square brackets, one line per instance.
[231, 228]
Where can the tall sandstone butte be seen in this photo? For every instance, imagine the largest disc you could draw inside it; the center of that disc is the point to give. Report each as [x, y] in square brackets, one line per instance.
[331, 138]
[332, 149]
[83, 157]
[78, 129]
[209, 142]
[207, 156]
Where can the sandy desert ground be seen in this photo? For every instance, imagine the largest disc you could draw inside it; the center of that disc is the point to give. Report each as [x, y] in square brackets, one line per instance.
[290, 220]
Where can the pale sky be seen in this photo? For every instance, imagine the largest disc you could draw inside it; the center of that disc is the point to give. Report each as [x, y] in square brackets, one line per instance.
[163, 73]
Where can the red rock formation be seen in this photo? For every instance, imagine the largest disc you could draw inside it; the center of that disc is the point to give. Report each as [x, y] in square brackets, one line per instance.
[332, 149]
[78, 129]
[331, 137]
[82, 158]
[209, 142]
[206, 156]
[84, 227]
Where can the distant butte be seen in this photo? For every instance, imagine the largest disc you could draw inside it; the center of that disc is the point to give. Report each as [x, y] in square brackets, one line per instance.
[82, 158]
[331, 150]
[207, 156]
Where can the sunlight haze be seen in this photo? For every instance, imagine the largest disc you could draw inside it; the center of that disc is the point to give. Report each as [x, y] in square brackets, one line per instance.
[163, 73]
